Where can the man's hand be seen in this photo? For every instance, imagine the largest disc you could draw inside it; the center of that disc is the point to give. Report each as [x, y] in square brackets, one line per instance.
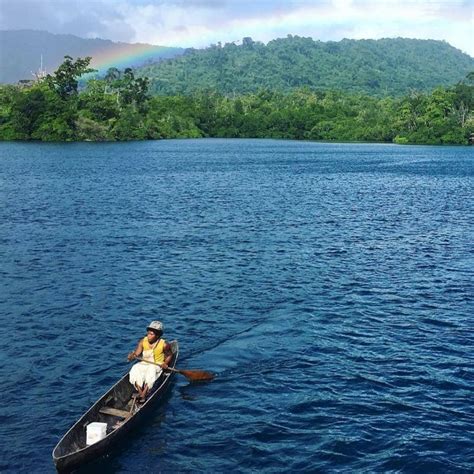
[164, 365]
[131, 356]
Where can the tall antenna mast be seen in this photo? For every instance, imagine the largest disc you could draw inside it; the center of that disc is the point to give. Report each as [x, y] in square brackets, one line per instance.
[41, 74]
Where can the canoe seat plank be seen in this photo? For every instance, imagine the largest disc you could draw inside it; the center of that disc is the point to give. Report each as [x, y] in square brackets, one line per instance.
[115, 412]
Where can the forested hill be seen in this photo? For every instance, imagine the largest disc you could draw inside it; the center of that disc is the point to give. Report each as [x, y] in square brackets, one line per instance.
[21, 51]
[386, 67]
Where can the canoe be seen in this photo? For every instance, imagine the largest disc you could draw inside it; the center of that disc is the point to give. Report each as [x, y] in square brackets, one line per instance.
[119, 410]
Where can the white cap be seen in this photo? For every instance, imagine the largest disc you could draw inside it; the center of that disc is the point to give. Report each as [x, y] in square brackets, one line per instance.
[156, 325]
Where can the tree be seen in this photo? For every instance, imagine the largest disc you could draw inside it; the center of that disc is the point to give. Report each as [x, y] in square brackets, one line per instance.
[64, 81]
[113, 74]
[130, 90]
[111, 77]
[28, 109]
[97, 102]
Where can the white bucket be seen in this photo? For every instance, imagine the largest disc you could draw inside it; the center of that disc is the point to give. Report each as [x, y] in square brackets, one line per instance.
[95, 432]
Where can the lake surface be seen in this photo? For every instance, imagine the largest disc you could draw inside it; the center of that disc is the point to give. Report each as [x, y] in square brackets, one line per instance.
[329, 287]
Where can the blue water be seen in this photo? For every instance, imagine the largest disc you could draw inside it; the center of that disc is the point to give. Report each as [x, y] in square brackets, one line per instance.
[329, 287]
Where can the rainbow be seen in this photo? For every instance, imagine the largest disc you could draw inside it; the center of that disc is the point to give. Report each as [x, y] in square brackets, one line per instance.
[122, 55]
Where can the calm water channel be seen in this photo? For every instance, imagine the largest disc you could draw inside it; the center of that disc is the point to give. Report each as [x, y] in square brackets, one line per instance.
[330, 287]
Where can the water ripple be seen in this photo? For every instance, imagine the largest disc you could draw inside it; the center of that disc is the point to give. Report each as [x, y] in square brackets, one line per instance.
[329, 287]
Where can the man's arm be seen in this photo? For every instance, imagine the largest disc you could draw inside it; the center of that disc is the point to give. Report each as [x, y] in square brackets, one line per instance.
[168, 356]
[134, 354]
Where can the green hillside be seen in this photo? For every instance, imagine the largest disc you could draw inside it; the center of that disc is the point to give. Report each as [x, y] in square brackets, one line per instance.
[386, 67]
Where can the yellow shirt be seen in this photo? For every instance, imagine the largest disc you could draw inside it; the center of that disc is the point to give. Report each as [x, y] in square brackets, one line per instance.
[158, 349]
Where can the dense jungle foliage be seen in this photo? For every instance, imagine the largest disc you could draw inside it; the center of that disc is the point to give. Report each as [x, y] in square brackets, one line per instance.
[119, 107]
[382, 68]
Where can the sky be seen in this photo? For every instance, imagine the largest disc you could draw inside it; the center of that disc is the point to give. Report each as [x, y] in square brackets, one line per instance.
[199, 23]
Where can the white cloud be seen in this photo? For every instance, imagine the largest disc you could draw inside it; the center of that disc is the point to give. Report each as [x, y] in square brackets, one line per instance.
[199, 23]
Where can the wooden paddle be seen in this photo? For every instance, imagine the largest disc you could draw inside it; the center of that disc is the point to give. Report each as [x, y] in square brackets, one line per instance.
[193, 375]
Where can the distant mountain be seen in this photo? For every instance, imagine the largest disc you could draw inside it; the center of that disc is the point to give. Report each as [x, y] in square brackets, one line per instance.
[21, 50]
[377, 67]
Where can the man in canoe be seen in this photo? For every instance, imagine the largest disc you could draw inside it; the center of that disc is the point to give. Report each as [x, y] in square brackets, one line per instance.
[154, 349]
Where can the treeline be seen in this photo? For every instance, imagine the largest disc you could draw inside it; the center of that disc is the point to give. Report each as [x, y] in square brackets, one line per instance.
[119, 107]
[382, 68]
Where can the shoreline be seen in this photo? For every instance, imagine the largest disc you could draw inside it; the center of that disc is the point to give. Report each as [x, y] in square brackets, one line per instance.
[329, 142]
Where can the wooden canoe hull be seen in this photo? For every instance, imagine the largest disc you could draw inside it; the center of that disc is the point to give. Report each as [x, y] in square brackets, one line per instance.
[72, 452]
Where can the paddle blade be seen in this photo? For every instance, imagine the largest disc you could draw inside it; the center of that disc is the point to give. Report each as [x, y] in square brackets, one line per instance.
[197, 375]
